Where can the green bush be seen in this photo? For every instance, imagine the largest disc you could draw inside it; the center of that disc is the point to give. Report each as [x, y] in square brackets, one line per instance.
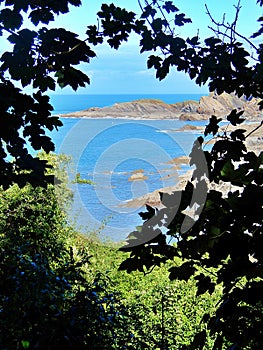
[162, 314]
[60, 289]
[47, 300]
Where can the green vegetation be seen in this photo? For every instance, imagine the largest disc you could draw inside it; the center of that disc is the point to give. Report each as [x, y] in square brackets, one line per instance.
[54, 288]
[150, 100]
[47, 300]
[79, 180]
[220, 242]
[61, 289]
[156, 320]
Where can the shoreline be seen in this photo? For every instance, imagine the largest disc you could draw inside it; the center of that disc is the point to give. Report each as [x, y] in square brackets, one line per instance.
[189, 110]
[254, 143]
[116, 118]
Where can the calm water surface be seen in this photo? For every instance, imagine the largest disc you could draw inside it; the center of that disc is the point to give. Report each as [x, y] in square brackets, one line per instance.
[109, 152]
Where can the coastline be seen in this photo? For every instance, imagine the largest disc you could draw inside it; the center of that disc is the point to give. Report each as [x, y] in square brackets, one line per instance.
[254, 143]
[153, 110]
[189, 110]
[69, 116]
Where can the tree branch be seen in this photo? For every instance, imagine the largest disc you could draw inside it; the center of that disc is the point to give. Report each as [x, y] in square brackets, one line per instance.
[252, 131]
[229, 27]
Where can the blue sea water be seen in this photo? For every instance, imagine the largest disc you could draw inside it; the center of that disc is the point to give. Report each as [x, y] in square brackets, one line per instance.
[110, 151]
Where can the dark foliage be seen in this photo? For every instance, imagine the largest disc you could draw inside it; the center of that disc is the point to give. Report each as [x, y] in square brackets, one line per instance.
[223, 238]
[40, 59]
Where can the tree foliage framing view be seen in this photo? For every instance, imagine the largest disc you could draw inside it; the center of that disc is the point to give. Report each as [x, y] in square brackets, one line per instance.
[223, 247]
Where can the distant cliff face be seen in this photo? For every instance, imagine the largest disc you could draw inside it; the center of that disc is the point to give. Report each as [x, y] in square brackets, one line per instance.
[219, 105]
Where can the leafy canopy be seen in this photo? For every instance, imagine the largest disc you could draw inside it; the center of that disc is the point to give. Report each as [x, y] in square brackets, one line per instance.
[226, 232]
[41, 59]
[44, 58]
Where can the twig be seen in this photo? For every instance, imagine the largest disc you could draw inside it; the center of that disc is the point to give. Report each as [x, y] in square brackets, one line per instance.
[139, 2]
[9, 31]
[251, 132]
[231, 27]
[150, 271]
[147, 3]
[162, 13]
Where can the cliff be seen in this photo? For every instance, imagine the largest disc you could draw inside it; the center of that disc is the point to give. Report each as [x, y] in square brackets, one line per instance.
[219, 105]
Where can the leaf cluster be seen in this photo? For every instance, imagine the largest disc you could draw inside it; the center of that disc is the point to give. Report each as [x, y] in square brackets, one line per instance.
[40, 59]
[224, 65]
[223, 233]
[38, 11]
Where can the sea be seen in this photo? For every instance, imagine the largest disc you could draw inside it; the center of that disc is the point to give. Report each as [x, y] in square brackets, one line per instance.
[123, 159]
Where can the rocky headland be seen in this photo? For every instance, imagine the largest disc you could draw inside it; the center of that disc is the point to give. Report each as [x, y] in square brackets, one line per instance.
[219, 105]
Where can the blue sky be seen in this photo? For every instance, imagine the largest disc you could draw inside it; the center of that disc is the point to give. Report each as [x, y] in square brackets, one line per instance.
[125, 70]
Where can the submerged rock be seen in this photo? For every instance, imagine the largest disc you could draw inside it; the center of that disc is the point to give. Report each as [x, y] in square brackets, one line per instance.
[138, 177]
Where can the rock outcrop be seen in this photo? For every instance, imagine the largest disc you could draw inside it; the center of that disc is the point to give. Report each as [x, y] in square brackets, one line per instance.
[143, 109]
[219, 105]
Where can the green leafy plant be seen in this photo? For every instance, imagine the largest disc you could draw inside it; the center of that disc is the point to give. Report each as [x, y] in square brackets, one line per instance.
[49, 297]
[79, 180]
[160, 313]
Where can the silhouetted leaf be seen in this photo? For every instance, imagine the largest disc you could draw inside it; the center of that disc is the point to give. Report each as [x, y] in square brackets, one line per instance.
[149, 214]
[213, 126]
[193, 41]
[169, 7]
[72, 77]
[130, 265]
[94, 36]
[234, 117]
[260, 31]
[11, 19]
[180, 20]
[148, 11]
[41, 15]
[238, 135]
[212, 41]
[199, 340]
[183, 272]
[154, 61]
[147, 42]
[204, 284]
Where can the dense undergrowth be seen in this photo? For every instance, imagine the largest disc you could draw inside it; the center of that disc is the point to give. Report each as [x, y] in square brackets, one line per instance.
[62, 289]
